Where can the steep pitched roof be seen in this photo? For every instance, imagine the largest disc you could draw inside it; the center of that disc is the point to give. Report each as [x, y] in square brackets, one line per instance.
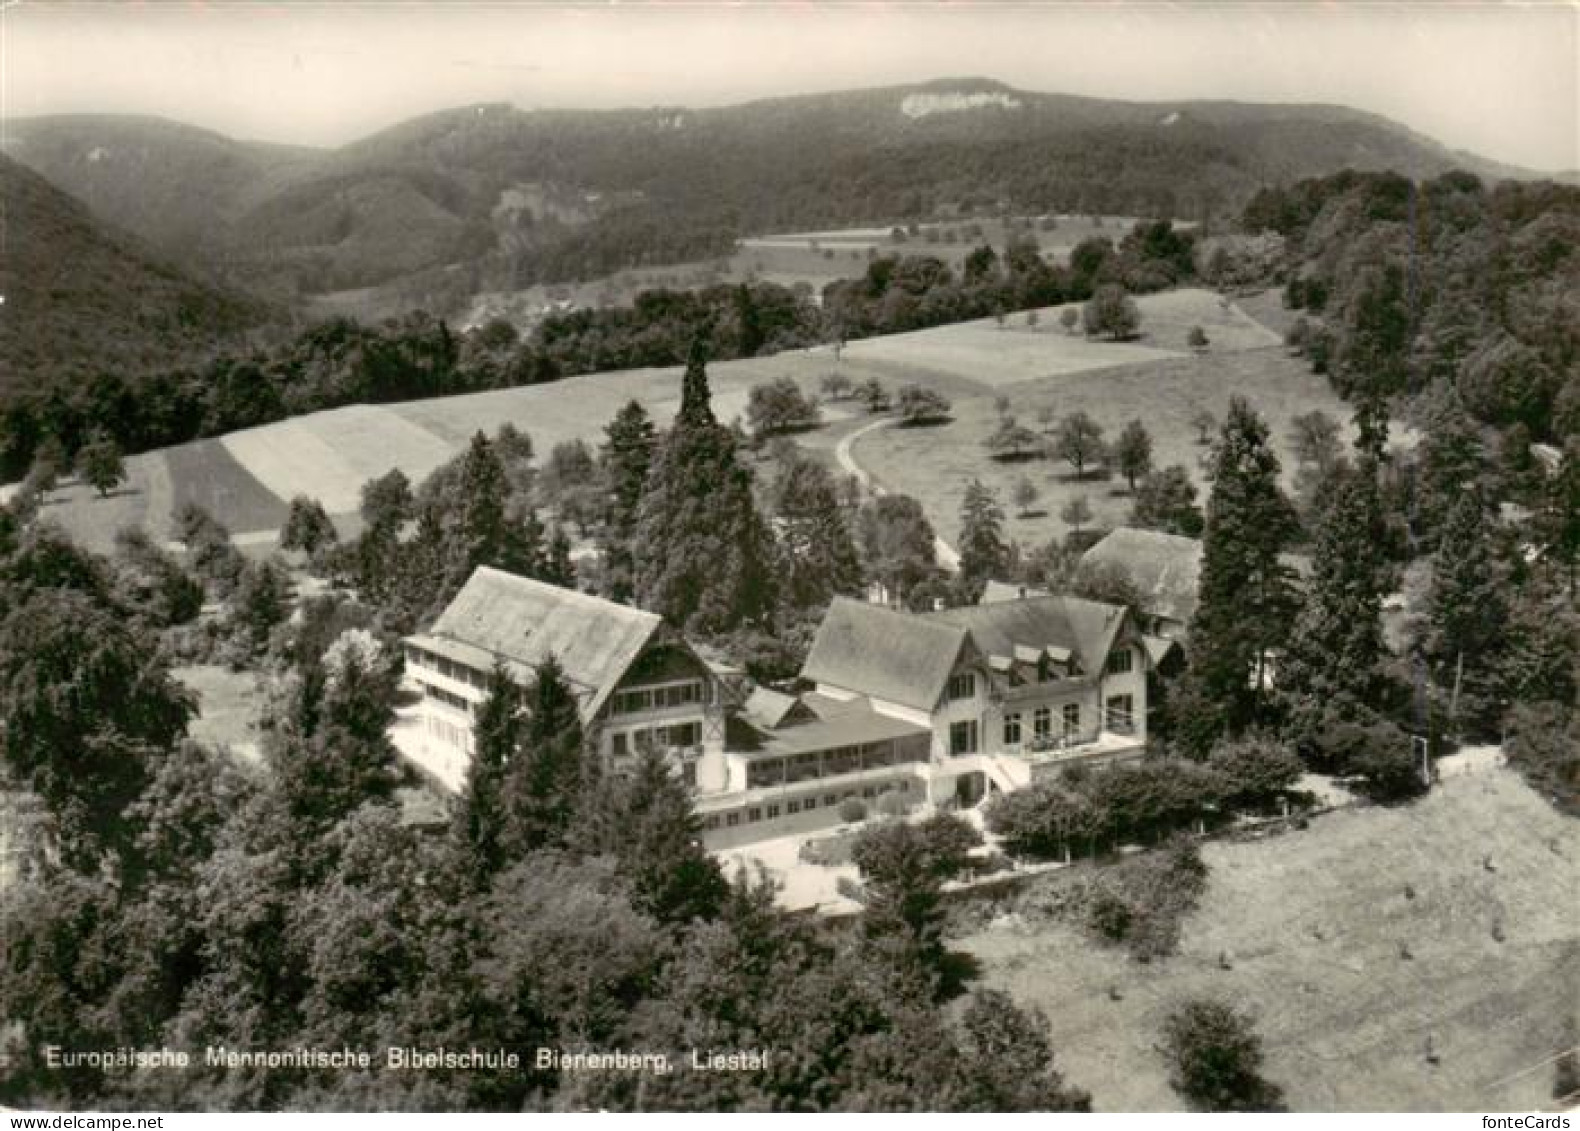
[770, 709]
[1165, 568]
[901, 657]
[1086, 628]
[526, 621]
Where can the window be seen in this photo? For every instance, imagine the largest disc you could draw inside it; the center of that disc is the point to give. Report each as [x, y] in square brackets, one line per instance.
[962, 685]
[773, 811]
[618, 744]
[732, 819]
[711, 822]
[1012, 729]
[792, 807]
[755, 813]
[963, 737]
[1121, 714]
[904, 787]
[1120, 661]
[830, 800]
[1072, 720]
[1042, 722]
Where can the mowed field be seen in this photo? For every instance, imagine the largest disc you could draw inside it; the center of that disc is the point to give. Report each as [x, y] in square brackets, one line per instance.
[1311, 924]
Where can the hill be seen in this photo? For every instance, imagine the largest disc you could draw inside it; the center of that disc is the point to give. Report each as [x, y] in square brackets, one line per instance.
[1308, 931]
[80, 296]
[522, 196]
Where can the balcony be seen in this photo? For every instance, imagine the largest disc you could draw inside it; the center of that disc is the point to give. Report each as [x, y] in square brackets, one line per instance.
[1058, 750]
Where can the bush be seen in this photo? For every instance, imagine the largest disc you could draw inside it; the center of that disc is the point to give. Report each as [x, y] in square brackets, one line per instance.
[1110, 915]
[1255, 772]
[852, 809]
[1216, 1058]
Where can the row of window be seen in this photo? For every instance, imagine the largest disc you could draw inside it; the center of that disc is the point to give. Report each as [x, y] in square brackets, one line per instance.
[447, 668]
[813, 764]
[771, 811]
[449, 699]
[1042, 723]
[637, 699]
[448, 733]
[677, 734]
[963, 685]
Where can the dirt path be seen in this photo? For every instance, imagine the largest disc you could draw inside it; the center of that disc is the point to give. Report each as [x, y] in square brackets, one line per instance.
[847, 462]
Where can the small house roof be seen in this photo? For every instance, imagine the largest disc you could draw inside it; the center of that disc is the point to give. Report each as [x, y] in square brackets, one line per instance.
[768, 709]
[903, 658]
[1164, 568]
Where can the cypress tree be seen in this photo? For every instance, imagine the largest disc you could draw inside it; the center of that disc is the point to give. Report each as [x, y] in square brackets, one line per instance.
[701, 550]
[1245, 602]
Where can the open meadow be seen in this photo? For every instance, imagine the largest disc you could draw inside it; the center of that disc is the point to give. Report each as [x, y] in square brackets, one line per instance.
[1364, 947]
[246, 479]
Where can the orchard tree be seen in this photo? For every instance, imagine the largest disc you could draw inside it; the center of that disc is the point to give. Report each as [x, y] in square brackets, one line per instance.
[1133, 453]
[1025, 495]
[777, 407]
[1076, 514]
[1166, 501]
[1197, 339]
[1079, 442]
[919, 405]
[1011, 440]
[1112, 312]
[1069, 318]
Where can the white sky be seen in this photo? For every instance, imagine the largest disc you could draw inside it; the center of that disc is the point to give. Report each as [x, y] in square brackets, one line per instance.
[1502, 80]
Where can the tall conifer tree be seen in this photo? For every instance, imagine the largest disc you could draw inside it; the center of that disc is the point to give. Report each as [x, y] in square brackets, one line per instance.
[1245, 600]
[702, 551]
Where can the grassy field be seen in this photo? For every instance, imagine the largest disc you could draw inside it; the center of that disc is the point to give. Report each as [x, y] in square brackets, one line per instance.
[935, 464]
[247, 478]
[1311, 924]
[228, 706]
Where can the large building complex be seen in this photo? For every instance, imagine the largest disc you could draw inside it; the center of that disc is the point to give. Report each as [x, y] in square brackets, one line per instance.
[902, 708]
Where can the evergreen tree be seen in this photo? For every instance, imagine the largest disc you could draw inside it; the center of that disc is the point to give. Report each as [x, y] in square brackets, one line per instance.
[1245, 602]
[1451, 461]
[702, 551]
[543, 783]
[1335, 653]
[479, 828]
[983, 552]
[817, 554]
[479, 535]
[100, 464]
[627, 459]
[644, 820]
[1466, 611]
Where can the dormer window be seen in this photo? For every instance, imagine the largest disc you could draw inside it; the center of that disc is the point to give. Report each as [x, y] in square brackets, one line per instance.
[962, 685]
[1121, 660]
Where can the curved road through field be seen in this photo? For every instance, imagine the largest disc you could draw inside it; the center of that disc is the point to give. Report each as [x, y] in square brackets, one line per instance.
[842, 452]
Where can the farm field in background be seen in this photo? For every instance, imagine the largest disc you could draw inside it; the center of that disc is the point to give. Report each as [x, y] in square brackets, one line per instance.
[1311, 924]
[247, 478]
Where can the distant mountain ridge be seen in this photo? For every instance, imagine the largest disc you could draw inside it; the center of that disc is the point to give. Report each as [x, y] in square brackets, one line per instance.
[509, 196]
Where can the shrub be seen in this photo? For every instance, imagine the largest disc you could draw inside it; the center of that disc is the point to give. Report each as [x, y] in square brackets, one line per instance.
[852, 809]
[1110, 915]
[1216, 1058]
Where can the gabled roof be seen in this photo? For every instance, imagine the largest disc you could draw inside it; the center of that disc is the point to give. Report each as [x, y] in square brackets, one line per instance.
[996, 591]
[1164, 568]
[768, 709]
[1086, 628]
[900, 657]
[525, 621]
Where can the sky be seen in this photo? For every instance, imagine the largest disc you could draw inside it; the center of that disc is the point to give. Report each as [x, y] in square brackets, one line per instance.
[1501, 80]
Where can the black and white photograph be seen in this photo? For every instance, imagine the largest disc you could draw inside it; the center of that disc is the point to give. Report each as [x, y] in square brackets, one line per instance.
[789, 557]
